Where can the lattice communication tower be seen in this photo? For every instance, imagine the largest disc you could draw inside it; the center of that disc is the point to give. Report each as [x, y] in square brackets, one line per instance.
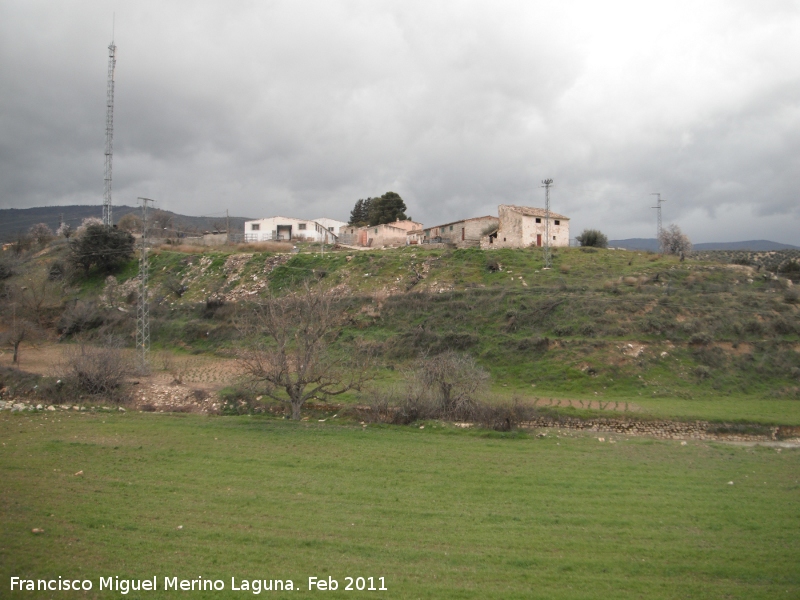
[112, 63]
[547, 259]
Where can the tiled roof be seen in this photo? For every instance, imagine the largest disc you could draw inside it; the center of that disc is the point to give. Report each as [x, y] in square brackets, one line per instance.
[534, 212]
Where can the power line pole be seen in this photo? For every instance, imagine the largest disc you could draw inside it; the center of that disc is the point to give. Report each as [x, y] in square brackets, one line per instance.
[227, 227]
[108, 220]
[658, 208]
[143, 308]
[547, 259]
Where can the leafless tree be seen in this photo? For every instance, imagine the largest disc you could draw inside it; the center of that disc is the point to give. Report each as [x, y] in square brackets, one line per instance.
[131, 223]
[20, 330]
[41, 233]
[290, 349]
[451, 379]
[673, 241]
[98, 369]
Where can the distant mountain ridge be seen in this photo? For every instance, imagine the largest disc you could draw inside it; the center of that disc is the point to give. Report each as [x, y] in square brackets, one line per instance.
[19, 220]
[752, 245]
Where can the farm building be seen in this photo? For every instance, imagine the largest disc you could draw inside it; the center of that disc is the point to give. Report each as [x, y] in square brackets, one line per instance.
[288, 229]
[378, 236]
[524, 226]
[332, 225]
[464, 233]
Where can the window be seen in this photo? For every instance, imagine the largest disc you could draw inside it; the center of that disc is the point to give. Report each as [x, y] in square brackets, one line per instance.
[376, 230]
[255, 227]
[451, 228]
[301, 226]
[558, 222]
[330, 228]
[554, 237]
[538, 220]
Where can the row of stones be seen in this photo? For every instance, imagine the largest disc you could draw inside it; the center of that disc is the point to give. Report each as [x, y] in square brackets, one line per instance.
[659, 429]
[22, 406]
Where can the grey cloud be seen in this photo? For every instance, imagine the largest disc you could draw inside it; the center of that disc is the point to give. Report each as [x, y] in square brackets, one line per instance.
[304, 107]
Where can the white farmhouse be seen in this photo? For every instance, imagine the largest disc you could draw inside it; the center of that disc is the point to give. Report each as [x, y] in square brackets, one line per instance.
[331, 224]
[288, 229]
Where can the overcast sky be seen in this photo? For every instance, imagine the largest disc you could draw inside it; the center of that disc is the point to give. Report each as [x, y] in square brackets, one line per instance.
[300, 108]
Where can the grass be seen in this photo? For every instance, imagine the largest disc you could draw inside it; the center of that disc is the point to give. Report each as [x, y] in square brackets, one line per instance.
[439, 513]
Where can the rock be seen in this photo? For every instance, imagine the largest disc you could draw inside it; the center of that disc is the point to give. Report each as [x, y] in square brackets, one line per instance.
[78, 473]
[51, 408]
[39, 407]
[730, 483]
[37, 531]
[121, 409]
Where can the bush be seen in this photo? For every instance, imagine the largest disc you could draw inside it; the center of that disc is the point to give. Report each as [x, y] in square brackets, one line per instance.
[100, 247]
[593, 238]
[99, 370]
[83, 315]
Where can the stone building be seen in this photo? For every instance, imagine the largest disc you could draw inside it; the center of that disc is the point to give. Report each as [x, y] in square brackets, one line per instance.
[464, 234]
[524, 226]
[379, 236]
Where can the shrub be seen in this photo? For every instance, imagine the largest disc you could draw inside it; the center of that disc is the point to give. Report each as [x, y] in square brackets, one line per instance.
[101, 247]
[702, 372]
[99, 370]
[791, 296]
[81, 316]
[701, 338]
[593, 238]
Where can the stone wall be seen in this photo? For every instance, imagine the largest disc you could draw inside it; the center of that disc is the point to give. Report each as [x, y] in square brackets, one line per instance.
[671, 430]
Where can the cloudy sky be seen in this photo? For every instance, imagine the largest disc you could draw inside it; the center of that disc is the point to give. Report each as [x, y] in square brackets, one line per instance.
[302, 107]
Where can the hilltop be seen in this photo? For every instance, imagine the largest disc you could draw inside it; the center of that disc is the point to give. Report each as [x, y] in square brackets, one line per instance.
[696, 338]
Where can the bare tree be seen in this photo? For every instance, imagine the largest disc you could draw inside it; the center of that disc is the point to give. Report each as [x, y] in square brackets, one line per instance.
[99, 369]
[20, 330]
[291, 348]
[131, 223]
[451, 379]
[41, 233]
[673, 241]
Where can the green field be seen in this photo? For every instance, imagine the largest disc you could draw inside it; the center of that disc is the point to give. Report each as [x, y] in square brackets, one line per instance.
[437, 512]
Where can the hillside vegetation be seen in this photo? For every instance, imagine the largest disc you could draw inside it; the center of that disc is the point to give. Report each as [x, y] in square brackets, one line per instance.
[601, 324]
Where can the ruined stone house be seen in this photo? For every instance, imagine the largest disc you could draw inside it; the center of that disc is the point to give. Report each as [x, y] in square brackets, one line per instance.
[465, 233]
[525, 226]
[379, 236]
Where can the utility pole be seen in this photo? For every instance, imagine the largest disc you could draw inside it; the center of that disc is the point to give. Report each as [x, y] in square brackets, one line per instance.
[227, 227]
[143, 309]
[108, 220]
[658, 208]
[546, 183]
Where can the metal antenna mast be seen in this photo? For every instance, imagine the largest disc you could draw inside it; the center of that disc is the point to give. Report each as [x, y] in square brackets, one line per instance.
[112, 62]
[658, 208]
[547, 260]
[143, 308]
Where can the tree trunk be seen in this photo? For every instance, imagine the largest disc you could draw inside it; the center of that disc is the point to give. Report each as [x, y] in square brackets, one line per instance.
[296, 410]
[16, 353]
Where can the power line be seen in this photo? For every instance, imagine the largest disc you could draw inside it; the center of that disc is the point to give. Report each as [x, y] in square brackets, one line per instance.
[658, 208]
[143, 309]
[547, 260]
